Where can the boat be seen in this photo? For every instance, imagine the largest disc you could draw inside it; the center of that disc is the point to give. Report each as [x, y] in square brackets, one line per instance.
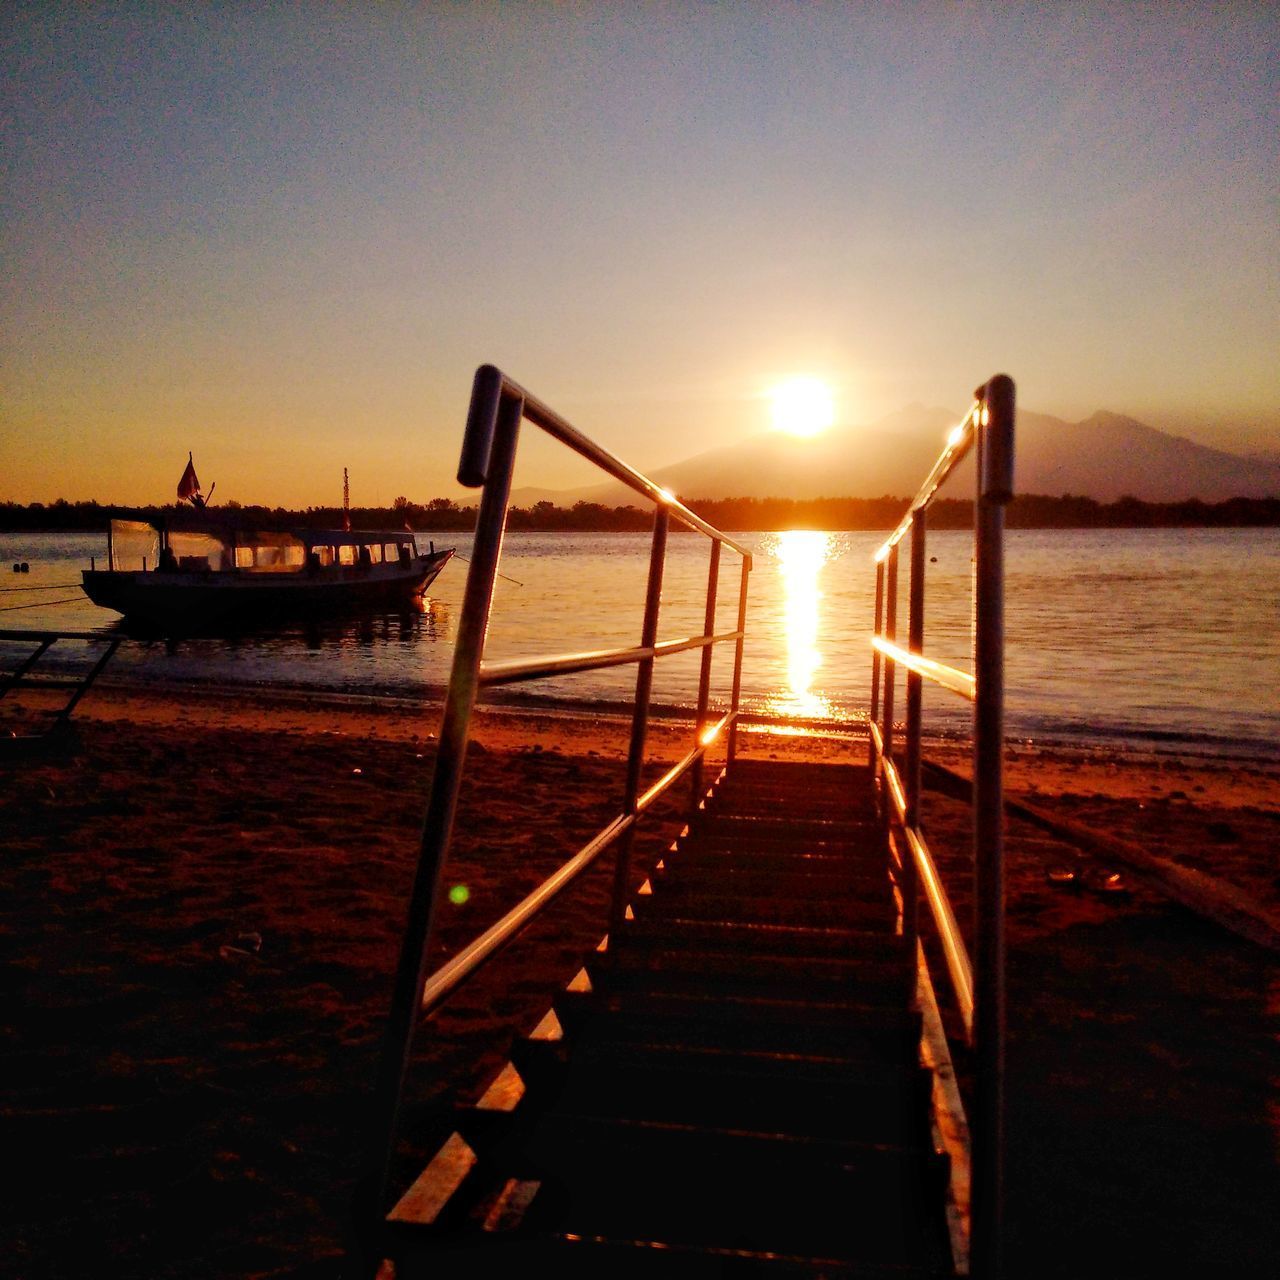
[201, 570]
[210, 573]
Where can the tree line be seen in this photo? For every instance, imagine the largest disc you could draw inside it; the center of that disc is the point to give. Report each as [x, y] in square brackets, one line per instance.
[1027, 511]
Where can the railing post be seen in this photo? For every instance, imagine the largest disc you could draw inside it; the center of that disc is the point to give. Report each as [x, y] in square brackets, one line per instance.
[890, 634]
[994, 489]
[704, 675]
[65, 714]
[915, 728]
[887, 686]
[442, 805]
[640, 715]
[736, 696]
[875, 668]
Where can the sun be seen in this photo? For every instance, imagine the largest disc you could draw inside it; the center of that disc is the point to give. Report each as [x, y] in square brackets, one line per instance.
[803, 406]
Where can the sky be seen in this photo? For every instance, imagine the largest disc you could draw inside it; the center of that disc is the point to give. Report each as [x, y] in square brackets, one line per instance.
[284, 236]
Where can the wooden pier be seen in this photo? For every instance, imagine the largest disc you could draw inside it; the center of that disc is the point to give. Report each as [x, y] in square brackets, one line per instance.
[733, 1085]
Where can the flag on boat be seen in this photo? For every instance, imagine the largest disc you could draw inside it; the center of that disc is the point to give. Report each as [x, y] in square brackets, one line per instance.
[189, 485]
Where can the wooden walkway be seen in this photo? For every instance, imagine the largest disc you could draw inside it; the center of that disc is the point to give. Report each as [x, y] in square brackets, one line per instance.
[732, 1086]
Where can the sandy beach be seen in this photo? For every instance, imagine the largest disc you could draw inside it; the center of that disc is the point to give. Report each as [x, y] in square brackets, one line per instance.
[202, 908]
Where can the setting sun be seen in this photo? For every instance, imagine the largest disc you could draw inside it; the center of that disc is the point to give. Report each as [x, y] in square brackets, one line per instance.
[803, 406]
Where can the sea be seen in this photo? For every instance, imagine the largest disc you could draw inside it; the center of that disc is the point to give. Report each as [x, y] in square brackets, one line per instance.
[1152, 640]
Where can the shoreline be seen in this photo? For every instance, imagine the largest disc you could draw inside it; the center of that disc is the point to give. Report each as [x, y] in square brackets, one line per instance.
[842, 514]
[429, 698]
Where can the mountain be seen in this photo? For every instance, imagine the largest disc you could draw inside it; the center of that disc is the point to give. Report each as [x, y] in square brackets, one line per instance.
[1106, 456]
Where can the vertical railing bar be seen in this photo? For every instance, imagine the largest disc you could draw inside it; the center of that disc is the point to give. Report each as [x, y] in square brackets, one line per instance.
[875, 665]
[890, 667]
[736, 696]
[915, 726]
[106, 656]
[887, 686]
[442, 804]
[704, 673]
[994, 489]
[640, 713]
[14, 678]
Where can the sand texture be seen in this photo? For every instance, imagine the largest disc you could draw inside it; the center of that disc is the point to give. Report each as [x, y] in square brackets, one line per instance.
[201, 910]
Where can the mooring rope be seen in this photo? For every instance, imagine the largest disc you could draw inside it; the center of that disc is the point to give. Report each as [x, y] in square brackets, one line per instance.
[464, 560]
[40, 604]
[48, 586]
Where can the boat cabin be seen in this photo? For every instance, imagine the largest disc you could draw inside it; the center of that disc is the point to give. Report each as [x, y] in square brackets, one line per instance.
[134, 545]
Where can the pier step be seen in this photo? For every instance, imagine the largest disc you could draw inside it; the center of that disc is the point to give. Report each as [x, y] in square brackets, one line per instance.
[577, 1257]
[778, 1093]
[657, 933]
[686, 1184]
[768, 1026]
[735, 1089]
[692, 903]
[690, 971]
[793, 876]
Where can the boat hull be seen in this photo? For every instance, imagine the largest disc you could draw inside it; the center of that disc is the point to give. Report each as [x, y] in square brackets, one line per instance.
[188, 600]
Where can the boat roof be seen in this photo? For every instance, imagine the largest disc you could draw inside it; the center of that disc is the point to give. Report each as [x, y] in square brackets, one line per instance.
[232, 535]
[348, 537]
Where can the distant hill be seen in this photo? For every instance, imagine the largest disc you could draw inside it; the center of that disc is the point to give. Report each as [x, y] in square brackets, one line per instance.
[1107, 456]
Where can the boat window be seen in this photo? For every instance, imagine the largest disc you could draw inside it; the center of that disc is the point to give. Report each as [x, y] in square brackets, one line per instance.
[323, 555]
[194, 550]
[133, 543]
[347, 554]
[270, 553]
[391, 552]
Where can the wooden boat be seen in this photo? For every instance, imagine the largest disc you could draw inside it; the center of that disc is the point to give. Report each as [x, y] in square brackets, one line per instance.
[190, 577]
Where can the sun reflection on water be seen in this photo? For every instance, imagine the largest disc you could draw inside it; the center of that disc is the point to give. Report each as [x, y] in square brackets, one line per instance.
[801, 553]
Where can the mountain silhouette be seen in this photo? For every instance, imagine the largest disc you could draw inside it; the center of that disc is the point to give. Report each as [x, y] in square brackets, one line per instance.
[1106, 456]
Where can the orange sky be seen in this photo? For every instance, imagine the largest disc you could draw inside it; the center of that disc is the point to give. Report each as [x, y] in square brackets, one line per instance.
[283, 237]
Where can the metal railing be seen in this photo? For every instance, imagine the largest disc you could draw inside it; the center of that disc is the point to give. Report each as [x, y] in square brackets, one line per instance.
[25, 678]
[978, 986]
[498, 409]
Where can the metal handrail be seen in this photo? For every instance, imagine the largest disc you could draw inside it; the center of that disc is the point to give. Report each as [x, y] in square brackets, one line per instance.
[454, 972]
[945, 677]
[79, 684]
[499, 406]
[41, 633]
[492, 387]
[522, 669]
[978, 985]
[959, 969]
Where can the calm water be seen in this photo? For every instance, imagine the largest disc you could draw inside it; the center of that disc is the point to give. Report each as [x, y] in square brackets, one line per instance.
[1148, 637]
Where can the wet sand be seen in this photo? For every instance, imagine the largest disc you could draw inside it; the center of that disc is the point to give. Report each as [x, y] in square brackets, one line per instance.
[201, 910]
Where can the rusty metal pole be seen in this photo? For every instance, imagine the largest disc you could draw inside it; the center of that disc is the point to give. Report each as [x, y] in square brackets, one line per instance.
[704, 675]
[640, 715]
[994, 490]
[915, 729]
[501, 414]
[736, 697]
